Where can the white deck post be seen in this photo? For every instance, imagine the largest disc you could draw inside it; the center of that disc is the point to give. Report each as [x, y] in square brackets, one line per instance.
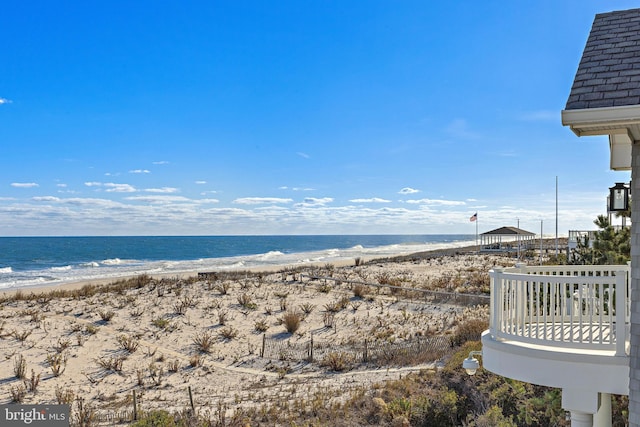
[621, 313]
[495, 309]
[602, 418]
[581, 419]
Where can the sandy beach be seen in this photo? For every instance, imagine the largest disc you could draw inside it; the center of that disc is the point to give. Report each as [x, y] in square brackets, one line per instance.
[235, 340]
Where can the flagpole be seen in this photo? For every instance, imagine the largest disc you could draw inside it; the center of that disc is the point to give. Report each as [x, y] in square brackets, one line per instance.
[474, 218]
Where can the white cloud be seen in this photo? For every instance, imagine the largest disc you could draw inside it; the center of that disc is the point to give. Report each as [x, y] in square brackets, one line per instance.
[436, 202]
[201, 182]
[303, 155]
[317, 201]
[260, 200]
[284, 187]
[46, 199]
[140, 171]
[159, 199]
[93, 184]
[24, 184]
[161, 162]
[5, 101]
[370, 200]
[140, 214]
[162, 190]
[408, 190]
[119, 188]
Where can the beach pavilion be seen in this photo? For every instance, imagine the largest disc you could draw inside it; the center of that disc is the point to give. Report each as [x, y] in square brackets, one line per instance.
[578, 327]
[506, 239]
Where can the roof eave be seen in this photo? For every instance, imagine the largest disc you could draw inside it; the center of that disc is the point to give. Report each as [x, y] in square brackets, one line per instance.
[621, 124]
[598, 121]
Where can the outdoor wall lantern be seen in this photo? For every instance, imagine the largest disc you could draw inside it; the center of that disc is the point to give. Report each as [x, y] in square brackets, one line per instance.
[619, 197]
[471, 364]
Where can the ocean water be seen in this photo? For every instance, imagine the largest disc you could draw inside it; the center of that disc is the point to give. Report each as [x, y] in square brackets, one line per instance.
[44, 261]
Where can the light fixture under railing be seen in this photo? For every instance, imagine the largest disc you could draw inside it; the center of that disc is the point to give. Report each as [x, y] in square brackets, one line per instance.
[471, 364]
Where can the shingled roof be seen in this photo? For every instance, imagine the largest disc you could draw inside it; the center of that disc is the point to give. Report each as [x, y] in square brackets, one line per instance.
[609, 71]
[508, 231]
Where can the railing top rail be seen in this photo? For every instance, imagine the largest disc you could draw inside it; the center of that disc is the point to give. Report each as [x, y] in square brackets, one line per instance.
[528, 269]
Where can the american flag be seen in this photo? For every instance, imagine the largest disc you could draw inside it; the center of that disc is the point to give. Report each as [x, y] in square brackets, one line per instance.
[474, 217]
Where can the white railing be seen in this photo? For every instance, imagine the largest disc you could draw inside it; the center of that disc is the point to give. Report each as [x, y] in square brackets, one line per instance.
[565, 306]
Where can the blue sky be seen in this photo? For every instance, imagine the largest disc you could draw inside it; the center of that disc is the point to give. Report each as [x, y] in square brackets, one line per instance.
[294, 117]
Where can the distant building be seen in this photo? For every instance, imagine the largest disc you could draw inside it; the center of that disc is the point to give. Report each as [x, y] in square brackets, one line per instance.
[506, 239]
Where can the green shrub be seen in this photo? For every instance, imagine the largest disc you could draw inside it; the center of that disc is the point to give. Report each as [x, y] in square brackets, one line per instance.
[156, 419]
[470, 330]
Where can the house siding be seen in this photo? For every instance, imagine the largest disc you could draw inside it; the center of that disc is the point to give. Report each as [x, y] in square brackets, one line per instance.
[634, 368]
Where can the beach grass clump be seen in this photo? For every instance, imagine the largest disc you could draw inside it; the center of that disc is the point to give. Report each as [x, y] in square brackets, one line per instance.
[18, 393]
[19, 367]
[84, 414]
[91, 329]
[337, 305]
[203, 341]
[359, 290]
[180, 308]
[57, 362]
[62, 345]
[128, 343]
[155, 373]
[161, 323]
[222, 287]
[329, 319]
[106, 315]
[324, 288]
[64, 396]
[21, 335]
[195, 361]
[111, 363]
[260, 326]
[223, 317]
[228, 333]
[32, 382]
[173, 366]
[247, 302]
[337, 361]
[291, 321]
[307, 308]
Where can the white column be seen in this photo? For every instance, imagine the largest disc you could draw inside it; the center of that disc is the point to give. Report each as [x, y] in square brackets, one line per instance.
[582, 403]
[602, 418]
[581, 419]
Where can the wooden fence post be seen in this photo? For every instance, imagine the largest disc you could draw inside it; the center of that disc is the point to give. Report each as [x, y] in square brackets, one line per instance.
[264, 339]
[311, 349]
[135, 406]
[193, 409]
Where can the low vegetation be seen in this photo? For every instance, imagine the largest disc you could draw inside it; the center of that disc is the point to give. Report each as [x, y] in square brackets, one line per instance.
[134, 353]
